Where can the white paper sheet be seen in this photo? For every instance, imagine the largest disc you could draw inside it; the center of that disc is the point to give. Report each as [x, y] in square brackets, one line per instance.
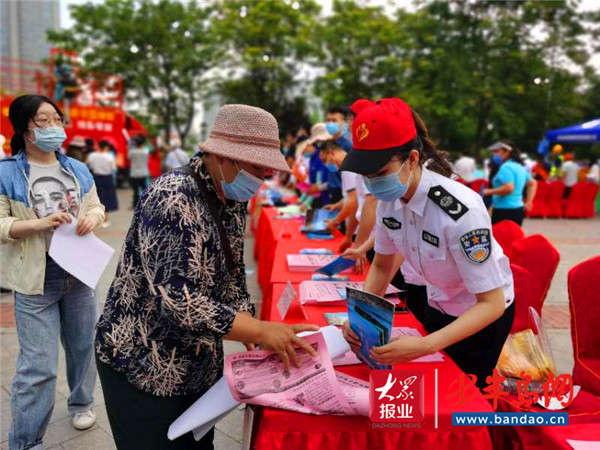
[349, 358]
[555, 404]
[356, 392]
[583, 445]
[260, 378]
[217, 402]
[309, 263]
[285, 300]
[84, 257]
[330, 292]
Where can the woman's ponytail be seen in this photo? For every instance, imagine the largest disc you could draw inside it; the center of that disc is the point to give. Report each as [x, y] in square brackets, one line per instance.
[435, 160]
[17, 143]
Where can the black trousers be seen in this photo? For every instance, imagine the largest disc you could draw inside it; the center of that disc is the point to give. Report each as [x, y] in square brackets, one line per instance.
[140, 421]
[416, 299]
[477, 354]
[138, 185]
[514, 214]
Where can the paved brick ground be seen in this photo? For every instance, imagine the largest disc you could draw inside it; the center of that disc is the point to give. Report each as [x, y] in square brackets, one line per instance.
[576, 241]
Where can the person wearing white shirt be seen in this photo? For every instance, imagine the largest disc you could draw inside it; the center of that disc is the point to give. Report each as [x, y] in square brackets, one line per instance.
[103, 166]
[443, 230]
[571, 170]
[176, 158]
[593, 174]
[333, 155]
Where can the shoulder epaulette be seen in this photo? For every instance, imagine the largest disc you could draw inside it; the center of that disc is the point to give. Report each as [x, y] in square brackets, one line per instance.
[447, 202]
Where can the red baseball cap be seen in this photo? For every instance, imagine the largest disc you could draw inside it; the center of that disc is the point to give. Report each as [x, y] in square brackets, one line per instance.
[380, 130]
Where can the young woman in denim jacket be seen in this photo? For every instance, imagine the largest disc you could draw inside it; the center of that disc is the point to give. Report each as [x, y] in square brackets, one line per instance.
[41, 189]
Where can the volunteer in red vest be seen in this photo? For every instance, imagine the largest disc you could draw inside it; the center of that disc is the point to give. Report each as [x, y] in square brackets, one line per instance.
[442, 229]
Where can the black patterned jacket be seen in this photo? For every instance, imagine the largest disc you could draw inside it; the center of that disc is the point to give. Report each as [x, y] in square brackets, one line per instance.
[173, 298]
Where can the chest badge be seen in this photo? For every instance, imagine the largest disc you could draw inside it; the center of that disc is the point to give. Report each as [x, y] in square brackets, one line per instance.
[392, 223]
[431, 239]
[476, 245]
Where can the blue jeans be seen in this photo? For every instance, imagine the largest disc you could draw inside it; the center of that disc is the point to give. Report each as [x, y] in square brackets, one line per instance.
[68, 309]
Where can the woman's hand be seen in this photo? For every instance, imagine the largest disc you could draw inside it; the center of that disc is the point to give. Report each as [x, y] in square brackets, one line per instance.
[351, 337]
[53, 221]
[331, 224]
[87, 224]
[358, 256]
[281, 339]
[401, 350]
[528, 206]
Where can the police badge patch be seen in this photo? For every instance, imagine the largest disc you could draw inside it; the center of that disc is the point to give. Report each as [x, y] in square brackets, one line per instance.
[392, 223]
[477, 245]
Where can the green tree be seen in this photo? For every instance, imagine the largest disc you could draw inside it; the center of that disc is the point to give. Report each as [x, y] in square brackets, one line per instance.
[476, 71]
[265, 43]
[480, 71]
[161, 49]
[362, 54]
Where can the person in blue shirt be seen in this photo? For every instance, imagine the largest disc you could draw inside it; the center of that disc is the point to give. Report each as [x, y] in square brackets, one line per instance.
[509, 186]
[318, 175]
[336, 125]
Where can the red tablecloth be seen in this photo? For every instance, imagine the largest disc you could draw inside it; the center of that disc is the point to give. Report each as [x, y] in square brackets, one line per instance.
[281, 274]
[585, 409]
[288, 430]
[555, 438]
[268, 233]
[271, 247]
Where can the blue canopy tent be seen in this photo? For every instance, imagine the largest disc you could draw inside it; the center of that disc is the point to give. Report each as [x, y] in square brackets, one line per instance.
[583, 133]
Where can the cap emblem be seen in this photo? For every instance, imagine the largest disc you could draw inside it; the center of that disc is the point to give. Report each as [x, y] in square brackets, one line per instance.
[362, 132]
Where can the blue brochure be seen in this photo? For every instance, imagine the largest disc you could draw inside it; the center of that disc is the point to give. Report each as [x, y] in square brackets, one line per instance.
[321, 277]
[337, 266]
[337, 318]
[316, 251]
[316, 221]
[371, 318]
[319, 237]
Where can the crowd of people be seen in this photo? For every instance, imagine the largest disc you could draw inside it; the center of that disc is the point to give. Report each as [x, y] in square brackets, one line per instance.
[142, 164]
[180, 286]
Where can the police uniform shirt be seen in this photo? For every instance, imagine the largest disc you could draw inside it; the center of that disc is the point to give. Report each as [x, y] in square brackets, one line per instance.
[445, 235]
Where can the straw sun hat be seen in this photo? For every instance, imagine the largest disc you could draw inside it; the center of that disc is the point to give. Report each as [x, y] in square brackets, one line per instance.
[318, 132]
[248, 134]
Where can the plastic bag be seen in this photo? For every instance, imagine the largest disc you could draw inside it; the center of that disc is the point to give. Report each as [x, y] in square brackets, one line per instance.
[527, 353]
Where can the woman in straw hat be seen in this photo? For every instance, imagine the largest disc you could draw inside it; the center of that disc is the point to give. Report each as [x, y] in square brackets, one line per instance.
[180, 287]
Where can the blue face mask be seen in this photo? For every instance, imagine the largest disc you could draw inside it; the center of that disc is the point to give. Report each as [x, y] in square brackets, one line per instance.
[242, 188]
[331, 167]
[388, 187]
[497, 158]
[333, 128]
[49, 139]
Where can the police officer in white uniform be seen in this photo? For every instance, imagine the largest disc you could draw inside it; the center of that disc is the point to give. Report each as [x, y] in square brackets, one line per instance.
[442, 229]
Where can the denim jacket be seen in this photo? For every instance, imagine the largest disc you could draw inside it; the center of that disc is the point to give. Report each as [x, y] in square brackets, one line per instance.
[24, 267]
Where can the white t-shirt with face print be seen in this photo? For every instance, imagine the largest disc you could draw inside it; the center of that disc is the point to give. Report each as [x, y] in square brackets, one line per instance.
[53, 190]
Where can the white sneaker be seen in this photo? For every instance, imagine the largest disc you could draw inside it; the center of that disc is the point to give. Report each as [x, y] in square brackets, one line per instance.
[84, 420]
